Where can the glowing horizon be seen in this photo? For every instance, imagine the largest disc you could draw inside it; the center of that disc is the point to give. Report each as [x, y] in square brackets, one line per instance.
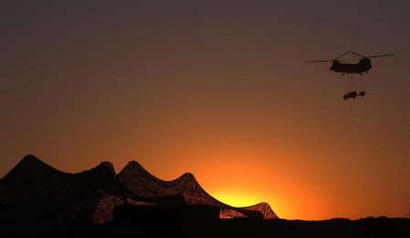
[220, 90]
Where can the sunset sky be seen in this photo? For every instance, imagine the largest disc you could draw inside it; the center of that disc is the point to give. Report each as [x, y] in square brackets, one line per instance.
[219, 89]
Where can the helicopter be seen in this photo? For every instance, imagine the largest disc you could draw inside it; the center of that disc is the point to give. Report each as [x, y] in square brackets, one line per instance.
[363, 66]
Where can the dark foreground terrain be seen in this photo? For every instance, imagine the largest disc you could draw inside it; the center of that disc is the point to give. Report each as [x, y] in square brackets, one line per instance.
[37, 200]
[192, 221]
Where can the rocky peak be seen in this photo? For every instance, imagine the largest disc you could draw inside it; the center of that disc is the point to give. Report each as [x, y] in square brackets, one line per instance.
[187, 178]
[28, 167]
[105, 167]
[131, 167]
[29, 158]
[31, 161]
[133, 170]
[265, 209]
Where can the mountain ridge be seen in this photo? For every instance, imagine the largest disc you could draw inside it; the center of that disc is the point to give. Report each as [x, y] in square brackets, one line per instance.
[94, 193]
[33, 184]
[143, 184]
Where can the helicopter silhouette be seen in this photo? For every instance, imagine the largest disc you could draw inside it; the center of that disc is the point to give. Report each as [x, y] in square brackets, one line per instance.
[363, 66]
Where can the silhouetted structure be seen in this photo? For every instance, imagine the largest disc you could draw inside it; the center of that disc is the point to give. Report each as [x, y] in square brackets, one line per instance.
[142, 184]
[37, 200]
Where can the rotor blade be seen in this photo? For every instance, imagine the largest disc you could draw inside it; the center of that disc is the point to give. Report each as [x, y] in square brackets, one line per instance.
[349, 52]
[384, 55]
[346, 53]
[318, 61]
[355, 53]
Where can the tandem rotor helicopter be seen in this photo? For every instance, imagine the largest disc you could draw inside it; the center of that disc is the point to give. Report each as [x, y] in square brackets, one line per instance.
[362, 66]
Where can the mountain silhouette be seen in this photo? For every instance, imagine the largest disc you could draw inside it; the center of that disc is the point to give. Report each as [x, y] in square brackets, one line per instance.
[143, 184]
[36, 190]
[263, 208]
[90, 195]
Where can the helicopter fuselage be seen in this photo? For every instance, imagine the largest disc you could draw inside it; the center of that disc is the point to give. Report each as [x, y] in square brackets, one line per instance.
[363, 66]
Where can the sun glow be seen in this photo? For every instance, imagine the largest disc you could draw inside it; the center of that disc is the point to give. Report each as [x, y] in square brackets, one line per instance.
[238, 199]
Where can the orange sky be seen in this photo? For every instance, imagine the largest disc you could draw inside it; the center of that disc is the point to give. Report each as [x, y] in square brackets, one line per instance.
[218, 91]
